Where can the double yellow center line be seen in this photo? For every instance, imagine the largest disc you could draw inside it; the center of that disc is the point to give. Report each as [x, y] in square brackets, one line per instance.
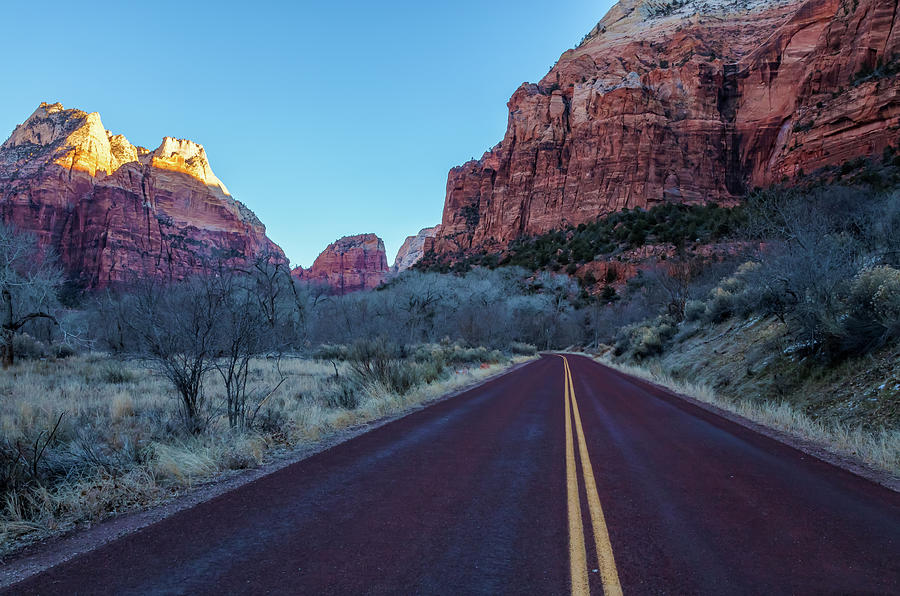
[606, 564]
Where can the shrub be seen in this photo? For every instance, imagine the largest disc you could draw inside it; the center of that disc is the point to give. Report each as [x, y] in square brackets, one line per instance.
[379, 362]
[522, 349]
[28, 348]
[873, 311]
[457, 354]
[474, 355]
[643, 340]
[64, 351]
[431, 371]
[116, 374]
[720, 306]
[331, 352]
[694, 310]
[341, 392]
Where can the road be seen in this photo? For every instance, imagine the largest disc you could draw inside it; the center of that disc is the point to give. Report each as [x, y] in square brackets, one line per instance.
[561, 477]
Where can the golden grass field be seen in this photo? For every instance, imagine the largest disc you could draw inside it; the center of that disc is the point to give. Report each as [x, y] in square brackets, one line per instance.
[119, 445]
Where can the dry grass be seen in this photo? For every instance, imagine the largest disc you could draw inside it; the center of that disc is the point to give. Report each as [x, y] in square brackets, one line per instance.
[119, 445]
[879, 448]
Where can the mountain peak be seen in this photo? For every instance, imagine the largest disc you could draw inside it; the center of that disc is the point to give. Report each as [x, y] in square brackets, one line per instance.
[413, 249]
[77, 140]
[187, 157]
[48, 124]
[349, 264]
[130, 211]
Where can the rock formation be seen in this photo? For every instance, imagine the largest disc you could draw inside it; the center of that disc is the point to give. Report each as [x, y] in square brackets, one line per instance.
[114, 212]
[413, 249]
[350, 264]
[683, 100]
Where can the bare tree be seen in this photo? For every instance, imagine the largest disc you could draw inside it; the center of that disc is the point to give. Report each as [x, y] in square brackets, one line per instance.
[272, 282]
[175, 326]
[809, 261]
[28, 285]
[308, 297]
[557, 290]
[420, 305]
[676, 279]
[244, 330]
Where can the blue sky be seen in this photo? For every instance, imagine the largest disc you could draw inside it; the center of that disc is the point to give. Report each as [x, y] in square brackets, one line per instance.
[325, 118]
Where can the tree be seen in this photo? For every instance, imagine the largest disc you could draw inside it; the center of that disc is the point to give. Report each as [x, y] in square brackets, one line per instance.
[272, 281]
[175, 325]
[675, 280]
[244, 328]
[28, 285]
[419, 300]
[809, 260]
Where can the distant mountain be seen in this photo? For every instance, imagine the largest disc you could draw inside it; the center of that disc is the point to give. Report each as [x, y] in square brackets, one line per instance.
[350, 264]
[413, 249]
[683, 101]
[114, 212]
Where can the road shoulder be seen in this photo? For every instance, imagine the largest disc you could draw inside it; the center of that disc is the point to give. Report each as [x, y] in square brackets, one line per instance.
[811, 448]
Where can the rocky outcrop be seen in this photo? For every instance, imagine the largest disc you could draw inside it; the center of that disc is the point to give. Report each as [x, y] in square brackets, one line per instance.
[114, 212]
[688, 101]
[413, 249]
[350, 264]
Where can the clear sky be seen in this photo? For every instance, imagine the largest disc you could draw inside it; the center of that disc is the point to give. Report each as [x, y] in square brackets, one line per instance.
[326, 118]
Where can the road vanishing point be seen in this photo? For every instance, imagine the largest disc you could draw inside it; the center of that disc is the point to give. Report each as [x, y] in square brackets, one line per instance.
[560, 477]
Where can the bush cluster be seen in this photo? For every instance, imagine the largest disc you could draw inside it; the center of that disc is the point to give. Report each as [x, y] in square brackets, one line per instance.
[27, 347]
[830, 271]
[564, 250]
[379, 366]
[827, 268]
[643, 340]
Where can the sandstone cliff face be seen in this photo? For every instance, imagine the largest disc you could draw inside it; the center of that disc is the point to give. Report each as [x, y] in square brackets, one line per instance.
[688, 101]
[114, 212]
[413, 249]
[350, 264]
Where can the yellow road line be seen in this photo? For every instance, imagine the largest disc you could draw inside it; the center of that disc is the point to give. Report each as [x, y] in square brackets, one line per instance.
[606, 562]
[577, 552]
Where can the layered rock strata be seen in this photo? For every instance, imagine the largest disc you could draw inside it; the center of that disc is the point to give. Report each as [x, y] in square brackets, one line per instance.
[350, 264]
[686, 101]
[114, 212]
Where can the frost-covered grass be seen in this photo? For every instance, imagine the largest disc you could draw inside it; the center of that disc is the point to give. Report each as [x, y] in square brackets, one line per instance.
[91, 436]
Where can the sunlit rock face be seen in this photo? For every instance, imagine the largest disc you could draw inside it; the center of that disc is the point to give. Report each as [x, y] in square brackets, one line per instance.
[114, 212]
[350, 264]
[689, 102]
[413, 249]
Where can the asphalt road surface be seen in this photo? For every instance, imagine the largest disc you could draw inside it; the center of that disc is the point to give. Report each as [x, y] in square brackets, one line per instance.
[561, 477]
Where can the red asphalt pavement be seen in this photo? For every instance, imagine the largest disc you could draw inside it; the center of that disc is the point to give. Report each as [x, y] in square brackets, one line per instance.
[469, 496]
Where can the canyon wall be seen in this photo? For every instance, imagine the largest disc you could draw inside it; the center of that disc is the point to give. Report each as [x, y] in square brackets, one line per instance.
[686, 101]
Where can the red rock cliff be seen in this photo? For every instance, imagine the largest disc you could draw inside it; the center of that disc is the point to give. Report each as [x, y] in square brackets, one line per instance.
[350, 264]
[686, 101]
[112, 211]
